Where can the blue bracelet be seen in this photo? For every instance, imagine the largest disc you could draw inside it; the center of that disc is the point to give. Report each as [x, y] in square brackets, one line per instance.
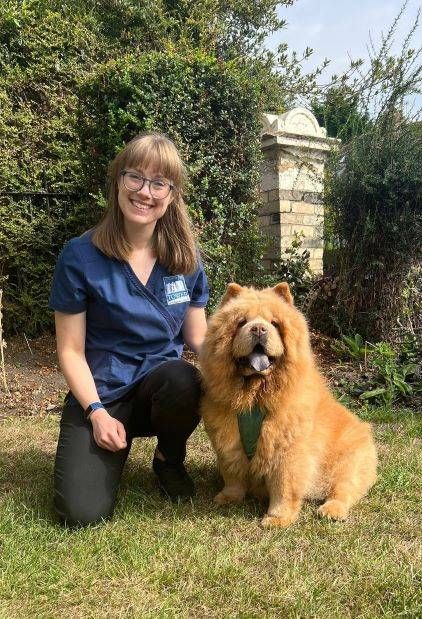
[93, 407]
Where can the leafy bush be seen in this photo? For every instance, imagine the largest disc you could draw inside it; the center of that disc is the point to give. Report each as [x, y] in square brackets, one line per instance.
[374, 199]
[337, 109]
[387, 374]
[31, 234]
[45, 49]
[410, 350]
[351, 347]
[392, 380]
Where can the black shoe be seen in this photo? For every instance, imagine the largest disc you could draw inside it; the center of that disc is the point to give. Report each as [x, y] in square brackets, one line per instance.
[173, 480]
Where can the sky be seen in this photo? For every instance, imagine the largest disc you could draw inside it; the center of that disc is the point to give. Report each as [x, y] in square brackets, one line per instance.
[337, 29]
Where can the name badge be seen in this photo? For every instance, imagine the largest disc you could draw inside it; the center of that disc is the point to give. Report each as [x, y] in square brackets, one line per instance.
[176, 290]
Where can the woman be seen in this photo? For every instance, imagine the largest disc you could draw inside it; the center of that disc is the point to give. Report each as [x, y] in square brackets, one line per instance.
[126, 296]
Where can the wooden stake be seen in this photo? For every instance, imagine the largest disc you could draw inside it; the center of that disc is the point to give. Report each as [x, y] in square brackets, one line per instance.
[2, 347]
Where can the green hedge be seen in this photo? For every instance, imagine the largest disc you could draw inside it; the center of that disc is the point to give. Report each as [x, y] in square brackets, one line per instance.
[46, 49]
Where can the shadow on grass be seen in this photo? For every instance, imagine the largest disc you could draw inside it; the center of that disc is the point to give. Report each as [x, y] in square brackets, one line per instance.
[139, 489]
[26, 482]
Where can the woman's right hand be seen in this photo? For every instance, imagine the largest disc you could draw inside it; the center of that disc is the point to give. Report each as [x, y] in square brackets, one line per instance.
[109, 433]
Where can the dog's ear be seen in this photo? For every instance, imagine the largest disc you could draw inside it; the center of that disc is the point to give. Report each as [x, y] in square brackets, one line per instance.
[283, 290]
[232, 290]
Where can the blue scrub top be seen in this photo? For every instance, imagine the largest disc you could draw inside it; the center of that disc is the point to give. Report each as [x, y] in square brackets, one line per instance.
[130, 328]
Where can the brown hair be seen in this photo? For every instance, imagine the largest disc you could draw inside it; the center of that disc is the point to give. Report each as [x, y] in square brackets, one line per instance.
[174, 239]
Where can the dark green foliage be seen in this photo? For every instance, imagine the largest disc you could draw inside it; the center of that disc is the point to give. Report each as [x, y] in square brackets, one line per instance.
[45, 48]
[393, 380]
[387, 373]
[373, 195]
[32, 231]
[338, 111]
[351, 347]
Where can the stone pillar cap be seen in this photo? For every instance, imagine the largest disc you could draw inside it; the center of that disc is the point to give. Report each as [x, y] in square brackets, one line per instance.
[298, 121]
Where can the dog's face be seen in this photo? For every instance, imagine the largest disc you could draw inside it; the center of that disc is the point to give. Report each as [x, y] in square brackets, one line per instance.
[254, 329]
[257, 343]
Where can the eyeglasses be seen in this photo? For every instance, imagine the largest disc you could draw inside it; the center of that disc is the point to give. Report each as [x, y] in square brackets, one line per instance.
[134, 182]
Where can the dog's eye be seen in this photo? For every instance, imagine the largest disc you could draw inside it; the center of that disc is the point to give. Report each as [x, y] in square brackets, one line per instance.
[241, 323]
[275, 324]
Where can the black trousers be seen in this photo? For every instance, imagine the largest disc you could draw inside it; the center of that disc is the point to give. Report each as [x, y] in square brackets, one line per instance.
[86, 477]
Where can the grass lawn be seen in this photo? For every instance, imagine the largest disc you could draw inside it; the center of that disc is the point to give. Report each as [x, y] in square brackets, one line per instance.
[200, 560]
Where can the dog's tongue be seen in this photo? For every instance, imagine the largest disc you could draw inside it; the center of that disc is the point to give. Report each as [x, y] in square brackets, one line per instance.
[259, 361]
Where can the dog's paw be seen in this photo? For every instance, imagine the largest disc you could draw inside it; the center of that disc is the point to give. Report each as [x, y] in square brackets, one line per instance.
[269, 522]
[333, 509]
[225, 499]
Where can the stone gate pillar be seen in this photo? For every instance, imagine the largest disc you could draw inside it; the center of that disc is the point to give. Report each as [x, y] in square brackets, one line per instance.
[294, 147]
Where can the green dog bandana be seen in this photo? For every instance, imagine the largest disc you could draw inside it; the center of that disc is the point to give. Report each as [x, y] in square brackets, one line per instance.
[250, 423]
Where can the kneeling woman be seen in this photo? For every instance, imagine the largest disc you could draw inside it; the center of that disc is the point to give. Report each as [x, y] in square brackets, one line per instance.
[126, 296]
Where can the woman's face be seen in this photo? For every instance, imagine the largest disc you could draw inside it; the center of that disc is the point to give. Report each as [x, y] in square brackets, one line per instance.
[140, 207]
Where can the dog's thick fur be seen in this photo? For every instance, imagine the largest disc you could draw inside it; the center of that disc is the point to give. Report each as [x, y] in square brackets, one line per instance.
[310, 446]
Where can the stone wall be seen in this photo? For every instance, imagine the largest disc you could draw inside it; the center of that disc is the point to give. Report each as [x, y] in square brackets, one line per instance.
[295, 148]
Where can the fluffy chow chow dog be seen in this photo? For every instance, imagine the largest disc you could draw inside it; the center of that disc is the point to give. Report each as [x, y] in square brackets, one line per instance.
[275, 427]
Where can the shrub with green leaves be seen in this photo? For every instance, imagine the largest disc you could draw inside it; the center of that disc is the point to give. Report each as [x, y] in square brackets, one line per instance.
[351, 347]
[373, 195]
[393, 380]
[46, 49]
[387, 373]
[337, 109]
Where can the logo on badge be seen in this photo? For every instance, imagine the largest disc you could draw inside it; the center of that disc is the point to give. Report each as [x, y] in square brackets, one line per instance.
[176, 290]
